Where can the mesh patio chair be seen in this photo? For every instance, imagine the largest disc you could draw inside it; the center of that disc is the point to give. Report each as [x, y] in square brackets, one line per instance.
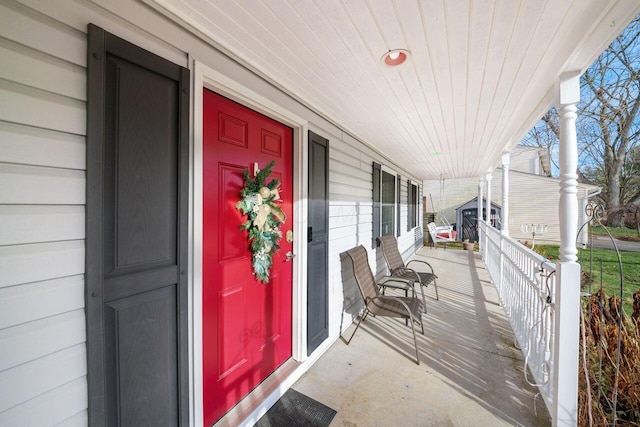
[409, 307]
[397, 267]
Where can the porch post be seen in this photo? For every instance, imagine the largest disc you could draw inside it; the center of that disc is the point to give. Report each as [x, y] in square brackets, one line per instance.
[480, 196]
[488, 214]
[505, 194]
[567, 303]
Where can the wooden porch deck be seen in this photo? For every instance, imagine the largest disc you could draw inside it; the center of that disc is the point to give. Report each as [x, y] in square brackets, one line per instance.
[470, 373]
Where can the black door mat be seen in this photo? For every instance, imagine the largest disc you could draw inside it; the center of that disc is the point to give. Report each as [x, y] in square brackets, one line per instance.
[296, 410]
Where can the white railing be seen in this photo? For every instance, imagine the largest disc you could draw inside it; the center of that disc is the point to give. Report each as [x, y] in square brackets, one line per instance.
[526, 285]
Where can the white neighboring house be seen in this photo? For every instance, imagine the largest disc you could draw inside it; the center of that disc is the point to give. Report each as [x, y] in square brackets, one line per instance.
[533, 196]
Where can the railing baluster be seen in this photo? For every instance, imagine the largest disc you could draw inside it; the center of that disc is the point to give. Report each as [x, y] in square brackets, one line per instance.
[523, 295]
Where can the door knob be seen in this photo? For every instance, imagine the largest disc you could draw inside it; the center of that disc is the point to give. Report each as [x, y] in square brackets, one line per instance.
[290, 255]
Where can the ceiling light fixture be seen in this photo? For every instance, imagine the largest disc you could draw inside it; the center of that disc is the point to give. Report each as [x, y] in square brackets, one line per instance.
[395, 57]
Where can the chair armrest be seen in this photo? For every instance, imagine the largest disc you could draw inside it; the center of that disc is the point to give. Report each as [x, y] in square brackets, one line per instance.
[405, 270]
[397, 283]
[404, 304]
[422, 262]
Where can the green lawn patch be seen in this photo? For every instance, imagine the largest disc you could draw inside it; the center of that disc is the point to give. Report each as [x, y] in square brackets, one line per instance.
[590, 261]
[621, 233]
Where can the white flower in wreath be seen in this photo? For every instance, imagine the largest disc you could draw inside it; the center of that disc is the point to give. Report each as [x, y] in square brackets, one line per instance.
[255, 209]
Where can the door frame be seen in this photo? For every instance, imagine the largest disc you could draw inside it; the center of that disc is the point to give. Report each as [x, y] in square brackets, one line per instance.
[206, 77]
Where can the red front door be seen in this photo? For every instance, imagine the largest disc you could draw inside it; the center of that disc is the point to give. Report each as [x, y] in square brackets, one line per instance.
[246, 323]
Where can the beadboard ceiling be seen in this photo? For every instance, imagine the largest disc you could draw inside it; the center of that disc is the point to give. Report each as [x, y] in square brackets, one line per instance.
[479, 75]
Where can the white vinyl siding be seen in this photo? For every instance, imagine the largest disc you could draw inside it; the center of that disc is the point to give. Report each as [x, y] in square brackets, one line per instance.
[42, 196]
[351, 218]
[526, 159]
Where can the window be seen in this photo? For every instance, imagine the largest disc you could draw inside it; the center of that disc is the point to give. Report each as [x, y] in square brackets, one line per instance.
[388, 203]
[386, 217]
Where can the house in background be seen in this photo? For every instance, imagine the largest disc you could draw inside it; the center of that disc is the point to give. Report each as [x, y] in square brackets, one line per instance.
[533, 199]
[126, 289]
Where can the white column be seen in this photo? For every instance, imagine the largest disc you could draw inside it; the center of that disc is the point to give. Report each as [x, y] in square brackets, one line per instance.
[488, 210]
[505, 194]
[567, 303]
[480, 196]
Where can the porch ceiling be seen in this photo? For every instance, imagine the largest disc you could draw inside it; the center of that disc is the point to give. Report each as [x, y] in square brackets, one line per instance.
[479, 75]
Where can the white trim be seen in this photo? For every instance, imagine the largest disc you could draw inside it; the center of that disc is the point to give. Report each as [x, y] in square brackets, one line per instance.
[191, 245]
[206, 77]
[196, 397]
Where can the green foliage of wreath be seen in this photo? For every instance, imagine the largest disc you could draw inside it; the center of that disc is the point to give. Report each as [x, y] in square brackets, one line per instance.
[258, 202]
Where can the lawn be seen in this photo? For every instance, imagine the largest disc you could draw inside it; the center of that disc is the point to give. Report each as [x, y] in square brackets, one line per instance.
[620, 233]
[610, 270]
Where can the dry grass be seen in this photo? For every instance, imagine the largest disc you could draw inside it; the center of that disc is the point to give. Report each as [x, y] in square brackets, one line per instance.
[600, 337]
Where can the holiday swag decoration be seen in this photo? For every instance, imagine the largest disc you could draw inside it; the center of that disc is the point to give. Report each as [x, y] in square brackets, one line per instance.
[265, 217]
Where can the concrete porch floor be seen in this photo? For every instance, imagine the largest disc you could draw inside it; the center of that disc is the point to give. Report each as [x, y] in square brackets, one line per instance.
[470, 373]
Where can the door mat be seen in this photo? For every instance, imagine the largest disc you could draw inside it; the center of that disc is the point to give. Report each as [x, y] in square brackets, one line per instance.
[296, 409]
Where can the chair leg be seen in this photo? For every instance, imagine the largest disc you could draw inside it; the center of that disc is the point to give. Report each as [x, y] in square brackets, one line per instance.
[415, 342]
[435, 285]
[424, 301]
[366, 312]
[413, 331]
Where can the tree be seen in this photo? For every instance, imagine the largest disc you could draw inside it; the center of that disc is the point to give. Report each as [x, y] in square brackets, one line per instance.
[611, 100]
[545, 134]
[608, 124]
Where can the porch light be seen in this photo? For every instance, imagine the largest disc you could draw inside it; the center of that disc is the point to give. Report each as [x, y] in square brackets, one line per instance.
[395, 57]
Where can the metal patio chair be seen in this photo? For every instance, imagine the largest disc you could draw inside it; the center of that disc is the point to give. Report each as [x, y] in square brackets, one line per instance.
[397, 267]
[408, 307]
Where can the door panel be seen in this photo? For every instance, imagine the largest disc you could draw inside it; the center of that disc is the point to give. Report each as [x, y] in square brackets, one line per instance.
[231, 247]
[317, 243]
[246, 323]
[470, 225]
[147, 384]
[137, 204]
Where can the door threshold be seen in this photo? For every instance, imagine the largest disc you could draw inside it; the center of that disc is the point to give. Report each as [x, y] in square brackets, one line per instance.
[252, 401]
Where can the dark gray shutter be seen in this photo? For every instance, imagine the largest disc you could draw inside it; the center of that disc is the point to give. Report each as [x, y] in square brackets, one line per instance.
[318, 243]
[411, 208]
[377, 169]
[398, 204]
[136, 239]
